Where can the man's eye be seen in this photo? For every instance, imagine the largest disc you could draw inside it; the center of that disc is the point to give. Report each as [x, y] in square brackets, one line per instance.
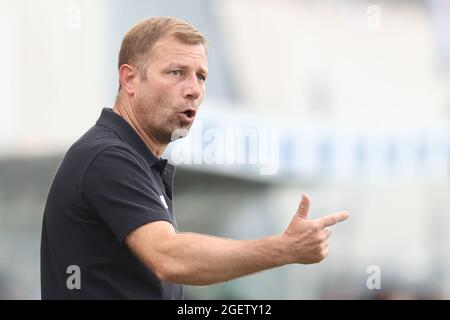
[175, 72]
[201, 77]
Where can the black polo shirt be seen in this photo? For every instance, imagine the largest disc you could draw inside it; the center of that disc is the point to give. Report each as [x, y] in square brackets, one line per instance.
[108, 184]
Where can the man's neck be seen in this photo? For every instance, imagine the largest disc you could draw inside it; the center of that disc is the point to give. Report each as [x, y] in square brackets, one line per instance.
[125, 112]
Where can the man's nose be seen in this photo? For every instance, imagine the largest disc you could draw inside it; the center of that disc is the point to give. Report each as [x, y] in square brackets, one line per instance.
[193, 90]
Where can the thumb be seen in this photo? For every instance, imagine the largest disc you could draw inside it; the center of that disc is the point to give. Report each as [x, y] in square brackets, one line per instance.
[303, 208]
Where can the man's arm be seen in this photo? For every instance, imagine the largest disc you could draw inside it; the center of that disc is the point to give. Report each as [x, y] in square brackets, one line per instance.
[197, 259]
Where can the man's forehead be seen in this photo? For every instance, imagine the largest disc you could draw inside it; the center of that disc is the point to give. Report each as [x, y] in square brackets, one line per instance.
[170, 48]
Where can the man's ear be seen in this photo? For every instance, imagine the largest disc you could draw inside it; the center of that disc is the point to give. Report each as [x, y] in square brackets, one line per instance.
[128, 76]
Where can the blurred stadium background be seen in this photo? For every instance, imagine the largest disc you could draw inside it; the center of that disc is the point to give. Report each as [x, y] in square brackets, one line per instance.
[357, 92]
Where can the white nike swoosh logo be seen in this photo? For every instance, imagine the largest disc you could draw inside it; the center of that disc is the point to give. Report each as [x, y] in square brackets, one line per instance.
[163, 200]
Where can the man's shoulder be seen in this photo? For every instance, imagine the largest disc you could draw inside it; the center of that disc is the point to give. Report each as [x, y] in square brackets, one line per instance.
[93, 142]
[97, 141]
[99, 138]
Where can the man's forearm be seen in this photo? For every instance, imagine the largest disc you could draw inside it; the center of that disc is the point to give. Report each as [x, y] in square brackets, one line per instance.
[197, 259]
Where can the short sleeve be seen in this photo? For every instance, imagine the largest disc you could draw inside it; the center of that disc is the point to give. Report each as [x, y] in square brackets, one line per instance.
[120, 188]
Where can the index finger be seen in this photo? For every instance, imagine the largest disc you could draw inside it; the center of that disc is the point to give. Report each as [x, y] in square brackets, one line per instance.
[332, 219]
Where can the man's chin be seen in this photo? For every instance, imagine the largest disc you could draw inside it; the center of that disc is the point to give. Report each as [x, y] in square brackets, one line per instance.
[179, 133]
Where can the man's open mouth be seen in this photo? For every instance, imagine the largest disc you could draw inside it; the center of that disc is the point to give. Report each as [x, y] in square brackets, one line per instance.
[187, 115]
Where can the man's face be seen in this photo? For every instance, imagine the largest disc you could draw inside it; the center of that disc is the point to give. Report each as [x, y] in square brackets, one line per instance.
[166, 102]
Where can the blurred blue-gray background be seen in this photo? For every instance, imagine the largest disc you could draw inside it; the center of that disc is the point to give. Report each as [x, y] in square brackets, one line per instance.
[346, 100]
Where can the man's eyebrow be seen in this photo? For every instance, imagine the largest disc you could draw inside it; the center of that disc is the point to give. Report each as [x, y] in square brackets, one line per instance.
[204, 71]
[177, 65]
[183, 66]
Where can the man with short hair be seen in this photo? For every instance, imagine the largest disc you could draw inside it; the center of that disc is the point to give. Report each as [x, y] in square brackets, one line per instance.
[109, 231]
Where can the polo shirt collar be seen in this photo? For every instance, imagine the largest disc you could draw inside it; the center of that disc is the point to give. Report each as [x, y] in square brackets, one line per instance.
[126, 133]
